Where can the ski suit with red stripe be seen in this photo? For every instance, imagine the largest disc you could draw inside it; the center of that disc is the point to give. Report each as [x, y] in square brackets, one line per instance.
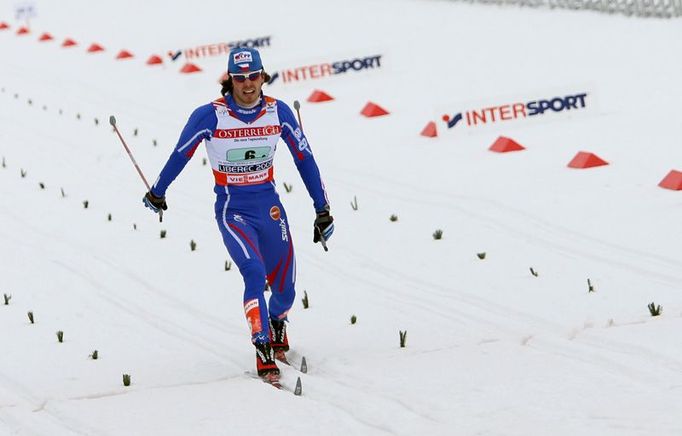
[241, 144]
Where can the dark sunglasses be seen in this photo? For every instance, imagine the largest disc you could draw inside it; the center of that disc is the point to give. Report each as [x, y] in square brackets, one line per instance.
[242, 77]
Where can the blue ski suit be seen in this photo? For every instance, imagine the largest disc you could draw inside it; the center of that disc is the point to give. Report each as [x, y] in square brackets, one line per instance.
[241, 144]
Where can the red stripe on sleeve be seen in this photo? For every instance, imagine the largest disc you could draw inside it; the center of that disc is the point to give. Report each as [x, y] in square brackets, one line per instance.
[291, 143]
[191, 151]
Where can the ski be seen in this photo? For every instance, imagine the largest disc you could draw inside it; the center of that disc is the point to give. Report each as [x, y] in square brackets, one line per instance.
[293, 361]
[277, 383]
[272, 379]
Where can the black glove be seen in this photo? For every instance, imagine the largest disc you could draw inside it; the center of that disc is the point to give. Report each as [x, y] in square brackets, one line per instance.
[154, 203]
[323, 226]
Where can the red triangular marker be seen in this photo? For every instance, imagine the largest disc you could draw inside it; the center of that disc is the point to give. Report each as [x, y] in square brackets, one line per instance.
[319, 96]
[68, 42]
[190, 68]
[430, 130]
[586, 159]
[504, 145]
[124, 54]
[373, 110]
[23, 31]
[45, 37]
[154, 60]
[94, 48]
[672, 181]
[4, 26]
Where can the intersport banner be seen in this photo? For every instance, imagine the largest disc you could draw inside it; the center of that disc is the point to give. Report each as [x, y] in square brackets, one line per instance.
[217, 49]
[321, 70]
[523, 109]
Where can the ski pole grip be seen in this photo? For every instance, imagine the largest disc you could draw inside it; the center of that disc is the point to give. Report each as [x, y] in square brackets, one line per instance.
[297, 106]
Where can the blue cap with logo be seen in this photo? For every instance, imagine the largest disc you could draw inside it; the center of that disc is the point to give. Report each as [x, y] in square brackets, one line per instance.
[243, 60]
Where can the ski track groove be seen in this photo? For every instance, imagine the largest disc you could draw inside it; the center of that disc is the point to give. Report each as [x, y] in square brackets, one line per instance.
[340, 405]
[673, 366]
[554, 236]
[386, 398]
[499, 312]
[163, 325]
[630, 374]
[151, 388]
[205, 318]
[178, 304]
[37, 405]
[421, 302]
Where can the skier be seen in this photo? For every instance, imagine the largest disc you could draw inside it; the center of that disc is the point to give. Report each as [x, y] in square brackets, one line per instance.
[241, 130]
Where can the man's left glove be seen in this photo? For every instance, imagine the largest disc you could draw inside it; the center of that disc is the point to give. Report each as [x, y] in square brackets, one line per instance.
[324, 226]
[154, 203]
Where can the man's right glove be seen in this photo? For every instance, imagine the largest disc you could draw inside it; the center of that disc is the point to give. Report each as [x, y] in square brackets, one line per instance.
[324, 226]
[154, 203]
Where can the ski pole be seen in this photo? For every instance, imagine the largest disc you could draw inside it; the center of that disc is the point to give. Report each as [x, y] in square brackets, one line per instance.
[112, 121]
[297, 106]
[322, 240]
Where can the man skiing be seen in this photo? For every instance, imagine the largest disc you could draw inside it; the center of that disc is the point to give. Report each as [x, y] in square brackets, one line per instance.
[241, 130]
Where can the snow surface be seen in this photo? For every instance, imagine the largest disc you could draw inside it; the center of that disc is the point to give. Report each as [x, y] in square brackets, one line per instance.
[491, 349]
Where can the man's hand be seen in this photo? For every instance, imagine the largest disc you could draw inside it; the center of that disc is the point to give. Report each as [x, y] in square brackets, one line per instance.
[154, 203]
[323, 226]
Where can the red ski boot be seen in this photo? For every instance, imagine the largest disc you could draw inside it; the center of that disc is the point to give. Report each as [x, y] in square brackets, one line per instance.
[265, 363]
[279, 340]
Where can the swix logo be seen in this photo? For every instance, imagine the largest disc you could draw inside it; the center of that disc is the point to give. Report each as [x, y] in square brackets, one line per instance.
[218, 49]
[327, 69]
[247, 132]
[239, 219]
[283, 227]
[513, 111]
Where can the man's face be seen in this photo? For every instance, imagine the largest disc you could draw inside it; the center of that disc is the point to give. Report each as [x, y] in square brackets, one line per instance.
[246, 87]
